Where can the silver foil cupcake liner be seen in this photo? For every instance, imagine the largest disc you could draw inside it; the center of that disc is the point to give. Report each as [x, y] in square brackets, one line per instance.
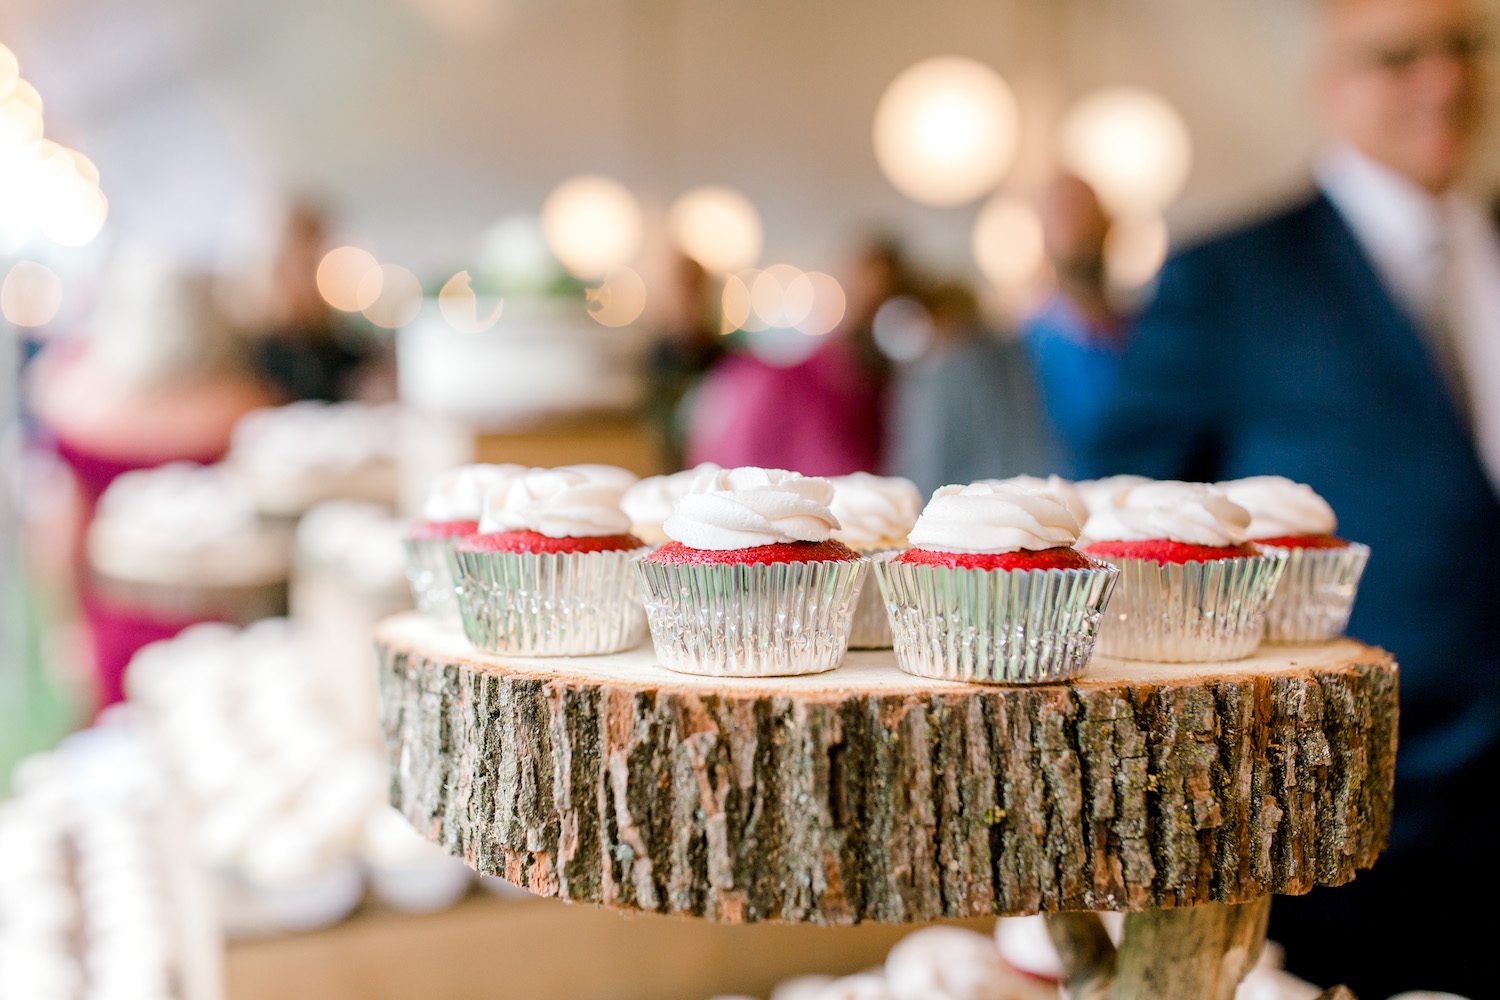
[994, 626]
[750, 620]
[549, 604]
[871, 626]
[1316, 594]
[1192, 612]
[429, 572]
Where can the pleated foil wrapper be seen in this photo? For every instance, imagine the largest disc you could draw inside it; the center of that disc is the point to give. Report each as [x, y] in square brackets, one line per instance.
[1034, 626]
[550, 604]
[1195, 612]
[754, 620]
[1316, 593]
[429, 573]
[871, 628]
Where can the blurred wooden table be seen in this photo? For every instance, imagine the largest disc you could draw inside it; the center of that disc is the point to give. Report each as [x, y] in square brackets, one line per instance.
[544, 949]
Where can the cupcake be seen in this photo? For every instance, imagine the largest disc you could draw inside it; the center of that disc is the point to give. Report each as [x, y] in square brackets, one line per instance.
[1316, 593]
[1190, 589]
[549, 574]
[648, 503]
[752, 582]
[1098, 497]
[993, 590]
[452, 511]
[875, 513]
[948, 963]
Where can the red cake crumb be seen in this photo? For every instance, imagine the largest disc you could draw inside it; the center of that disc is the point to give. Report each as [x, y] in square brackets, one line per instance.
[1304, 542]
[1061, 557]
[535, 543]
[1161, 550]
[782, 552]
[427, 530]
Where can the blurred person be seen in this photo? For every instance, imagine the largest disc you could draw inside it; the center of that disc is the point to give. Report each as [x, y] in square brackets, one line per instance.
[1076, 336]
[969, 408]
[305, 352]
[1353, 342]
[692, 342]
[823, 416]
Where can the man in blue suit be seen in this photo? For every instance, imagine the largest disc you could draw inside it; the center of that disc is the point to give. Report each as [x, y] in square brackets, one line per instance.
[1353, 342]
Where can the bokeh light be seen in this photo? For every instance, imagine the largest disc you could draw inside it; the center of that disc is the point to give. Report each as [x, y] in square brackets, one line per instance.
[10, 72]
[828, 304]
[778, 296]
[398, 296]
[1007, 241]
[620, 298]
[342, 275]
[1135, 250]
[739, 310]
[20, 129]
[718, 227]
[460, 306]
[903, 329]
[1130, 145]
[946, 130]
[592, 224]
[31, 294]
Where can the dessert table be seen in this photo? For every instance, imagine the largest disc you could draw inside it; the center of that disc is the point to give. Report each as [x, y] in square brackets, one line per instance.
[1184, 794]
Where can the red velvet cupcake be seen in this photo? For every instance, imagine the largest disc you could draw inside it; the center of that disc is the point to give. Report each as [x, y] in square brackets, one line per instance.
[751, 583]
[993, 590]
[1190, 588]
[1317, 591]
[454, 505]
[550, 573]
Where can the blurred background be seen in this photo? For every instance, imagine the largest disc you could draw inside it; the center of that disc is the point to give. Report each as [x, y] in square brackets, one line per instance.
[323, 249]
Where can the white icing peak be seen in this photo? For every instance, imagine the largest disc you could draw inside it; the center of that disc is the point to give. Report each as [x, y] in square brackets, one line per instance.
[1190, 513]
[989, 518]
[1057, 486]
[746, 507]
[650, 500]
[558, 503]
[459, 494]
[873, 509]
[1098, 496]
[608, 475]
[316, 435]
[1280, 508]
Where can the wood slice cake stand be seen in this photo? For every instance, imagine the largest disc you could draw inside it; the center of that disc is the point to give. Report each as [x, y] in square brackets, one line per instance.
[1183, 793]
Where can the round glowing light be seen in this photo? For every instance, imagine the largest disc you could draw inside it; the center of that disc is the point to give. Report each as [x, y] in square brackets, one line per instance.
[718, 227]
[397, 299]
[739, 309]
[946, 130]
[77, 223]
[20, 129]
[828, 304]
[1131, 146]
[342, 275]
[1007, 242]
[1135, 250]
[460, 306]
[85, 167]
[620, 298]
[26, 94]
[31, 294]
[779, 296]
[903, 329]
[10, 72]
[593, 225]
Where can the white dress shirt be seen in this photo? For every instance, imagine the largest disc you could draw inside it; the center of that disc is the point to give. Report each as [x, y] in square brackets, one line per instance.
[1439, 256]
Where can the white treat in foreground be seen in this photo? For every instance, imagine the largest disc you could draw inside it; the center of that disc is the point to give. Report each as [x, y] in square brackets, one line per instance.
[947, 963]
[1188, 513]
[1055, 485]
[873, 510]
[1280, 508]
[748, 507]
[993, 519]
[558, 503]
[650, 500]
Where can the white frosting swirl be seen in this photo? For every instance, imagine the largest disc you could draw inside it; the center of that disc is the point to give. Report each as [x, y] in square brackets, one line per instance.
[746, 507]
[872, 510]
[558, 503]
[1190, 513]
[1098, 496]
[459, 494]
[609, 475]
[983, 517]
[1055, 485]
[1280, 507]
[650, 500]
